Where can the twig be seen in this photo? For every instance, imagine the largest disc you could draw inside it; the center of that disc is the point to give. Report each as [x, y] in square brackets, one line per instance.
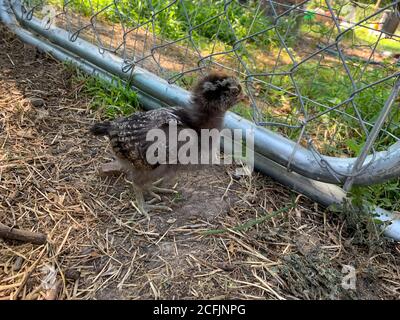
[22, 235]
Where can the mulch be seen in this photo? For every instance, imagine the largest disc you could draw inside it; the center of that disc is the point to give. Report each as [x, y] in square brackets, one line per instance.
[99, 247]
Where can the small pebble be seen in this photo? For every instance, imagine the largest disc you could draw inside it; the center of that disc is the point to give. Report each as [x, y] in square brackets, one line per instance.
[17, 263]
[171, 220]
[36, 102]
[72, 274]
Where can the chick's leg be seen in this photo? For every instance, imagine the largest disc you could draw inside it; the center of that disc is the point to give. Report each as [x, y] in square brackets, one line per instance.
[145, 207]
[140, 203]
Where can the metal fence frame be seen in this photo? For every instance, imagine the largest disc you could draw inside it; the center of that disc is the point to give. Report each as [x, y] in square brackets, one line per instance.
[273, 152]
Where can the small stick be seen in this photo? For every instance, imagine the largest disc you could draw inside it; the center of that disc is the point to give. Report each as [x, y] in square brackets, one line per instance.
[22, 235]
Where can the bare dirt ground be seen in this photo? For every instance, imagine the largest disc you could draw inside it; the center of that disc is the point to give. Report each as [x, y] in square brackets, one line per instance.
[99, 247]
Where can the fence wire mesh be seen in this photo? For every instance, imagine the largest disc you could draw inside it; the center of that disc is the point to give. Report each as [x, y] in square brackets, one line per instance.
[318, 72]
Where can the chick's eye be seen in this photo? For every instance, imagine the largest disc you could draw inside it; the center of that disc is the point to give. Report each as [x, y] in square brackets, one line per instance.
[235, 91]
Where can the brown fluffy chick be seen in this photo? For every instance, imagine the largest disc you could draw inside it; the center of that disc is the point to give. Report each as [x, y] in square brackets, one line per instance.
[211, 98]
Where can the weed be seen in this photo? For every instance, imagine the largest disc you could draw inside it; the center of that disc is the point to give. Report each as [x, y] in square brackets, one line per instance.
[112, 99]
[362, 222]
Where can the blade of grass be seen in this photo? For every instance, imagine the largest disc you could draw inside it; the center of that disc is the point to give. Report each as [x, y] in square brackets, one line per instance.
[250, 223]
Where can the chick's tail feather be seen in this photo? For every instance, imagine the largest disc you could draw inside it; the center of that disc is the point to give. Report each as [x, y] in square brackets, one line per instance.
[101, 129]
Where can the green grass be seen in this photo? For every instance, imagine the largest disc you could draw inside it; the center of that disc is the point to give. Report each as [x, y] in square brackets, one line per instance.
[362, 221]
[251, 223]
[385, 44]
[359, 35]
[113, 100]
[386, 195]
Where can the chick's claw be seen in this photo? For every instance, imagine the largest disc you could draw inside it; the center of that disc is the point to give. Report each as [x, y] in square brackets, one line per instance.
[158, 207]
[155, 191]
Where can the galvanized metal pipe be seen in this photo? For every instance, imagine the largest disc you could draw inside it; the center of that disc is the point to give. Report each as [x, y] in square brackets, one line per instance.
[324, 193]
